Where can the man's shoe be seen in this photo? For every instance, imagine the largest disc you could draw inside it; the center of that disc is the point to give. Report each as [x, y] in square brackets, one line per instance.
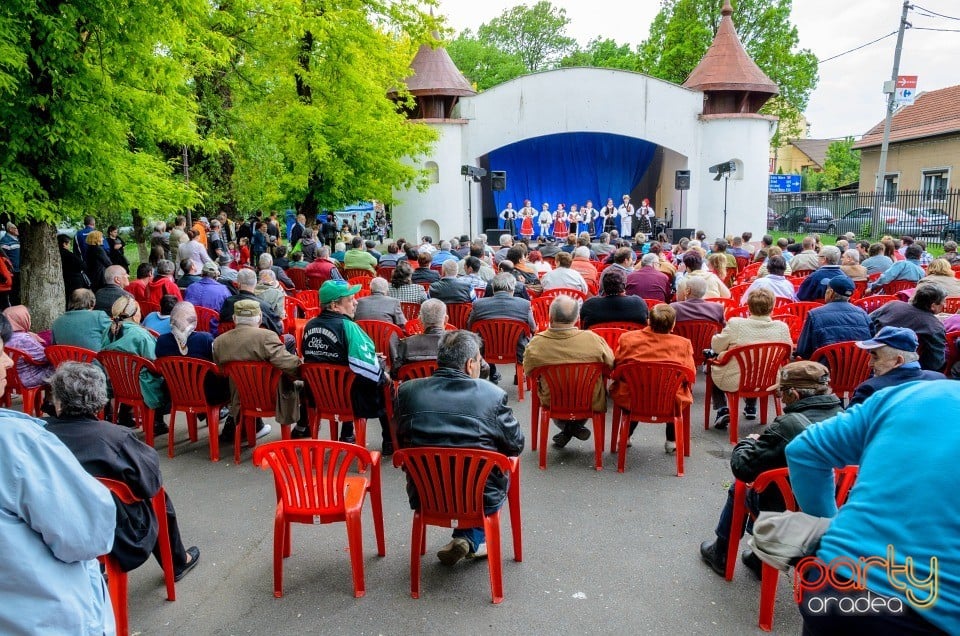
[386, 449]
[479, 553]
[228, 431]
[264, 430]
[300, 432]
[750, 411]
[670, 447]
[582, 433]
[753, 563]
[561, 439]
[194, 554]
[715, 556]
[496, 378]
[723, 419]
[160, 428]
[454, 551]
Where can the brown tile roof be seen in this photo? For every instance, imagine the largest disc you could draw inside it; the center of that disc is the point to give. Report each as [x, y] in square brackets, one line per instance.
[816, 149]
[726, 66]
[933, 113]
[434, 73]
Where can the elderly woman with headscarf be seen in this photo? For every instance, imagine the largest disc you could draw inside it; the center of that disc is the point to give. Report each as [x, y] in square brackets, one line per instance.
[127, 336]
[31, 375]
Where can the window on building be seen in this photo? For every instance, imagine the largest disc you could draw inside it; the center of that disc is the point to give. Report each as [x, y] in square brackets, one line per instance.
[433, 171]
[935, 184]
[890, 186]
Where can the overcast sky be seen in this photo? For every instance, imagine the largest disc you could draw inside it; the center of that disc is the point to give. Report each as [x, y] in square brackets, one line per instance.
[848, 98]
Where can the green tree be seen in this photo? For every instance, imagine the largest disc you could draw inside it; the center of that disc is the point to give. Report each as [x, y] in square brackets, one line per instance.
[536, 35]
[483, 64]
[684, 29]
[842, 164]
[604, 53]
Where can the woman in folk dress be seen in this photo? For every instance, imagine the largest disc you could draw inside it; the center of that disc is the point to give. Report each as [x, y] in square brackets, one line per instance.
[526, 223]
[560, 228]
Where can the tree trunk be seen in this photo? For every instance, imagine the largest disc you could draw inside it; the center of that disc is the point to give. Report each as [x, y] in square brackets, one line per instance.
[41, 276]
[140, 235]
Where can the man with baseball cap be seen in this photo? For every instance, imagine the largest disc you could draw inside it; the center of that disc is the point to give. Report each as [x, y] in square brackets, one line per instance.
[894, 360]
[334, 338]
[804, 389]
[836, 321]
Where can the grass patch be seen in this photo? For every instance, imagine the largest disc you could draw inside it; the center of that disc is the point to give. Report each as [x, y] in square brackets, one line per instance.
[935, 249]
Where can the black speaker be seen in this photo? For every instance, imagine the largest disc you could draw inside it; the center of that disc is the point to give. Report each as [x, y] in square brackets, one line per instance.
[494, 234]
[682, 180]
[498, 180]
[679, 233]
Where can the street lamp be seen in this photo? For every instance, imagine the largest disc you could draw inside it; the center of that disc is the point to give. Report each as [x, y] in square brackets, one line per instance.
[723, 171]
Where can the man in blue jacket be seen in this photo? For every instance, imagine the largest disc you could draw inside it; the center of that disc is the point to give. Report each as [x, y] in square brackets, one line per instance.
[814, 286]
[837, 321]
[894, 360]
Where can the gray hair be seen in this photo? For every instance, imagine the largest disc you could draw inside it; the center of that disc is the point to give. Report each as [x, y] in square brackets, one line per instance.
[450, 267]
[506, 240]
[247, 321]
[265, 262]
[445, 245]
[564, 310]
[324, 251]
[433, 313]
[831, 254]
[582, 251]
[854, 255]
[80, 388]
[246, 278]
[267, 277]
[649, 260]
[340, 246]
[456, 347]
[503, 282]
[165, 267]
[82, 298]
[886, 352]
[379, 285]
[696, 286]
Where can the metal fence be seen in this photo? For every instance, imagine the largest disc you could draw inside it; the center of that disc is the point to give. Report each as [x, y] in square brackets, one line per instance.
[901, 204]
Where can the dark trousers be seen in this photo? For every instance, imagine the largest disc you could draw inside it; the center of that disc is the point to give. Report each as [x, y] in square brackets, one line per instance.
[719, 399]
[724, 530]
[176, 544]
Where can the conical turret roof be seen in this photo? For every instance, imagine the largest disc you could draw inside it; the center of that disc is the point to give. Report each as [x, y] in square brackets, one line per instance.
[434, 73]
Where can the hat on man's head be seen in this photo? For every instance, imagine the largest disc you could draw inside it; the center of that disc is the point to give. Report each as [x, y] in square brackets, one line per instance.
[802, 375]
[335, 290]
[204, 221]
[464, 238]
[897, 337]
[842, 285]
[211, 268]
[247, 309]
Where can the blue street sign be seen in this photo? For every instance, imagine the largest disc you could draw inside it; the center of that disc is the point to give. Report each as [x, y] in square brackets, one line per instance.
[784, 183]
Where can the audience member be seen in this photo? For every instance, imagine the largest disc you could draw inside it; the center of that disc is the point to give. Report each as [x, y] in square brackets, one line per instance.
[379, 305]
[22, 339]
[919, 315]
[208, 291]
[690, 304]
[402, 286]
[893, 360]
[815, 284]
[159, 321]
[81, 325]
[648, 282]
[614, 305]
[503, 305]
[836, 321]
[450, 288]
[563, 276]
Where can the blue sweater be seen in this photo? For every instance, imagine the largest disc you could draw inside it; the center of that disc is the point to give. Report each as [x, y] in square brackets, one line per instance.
[834, 322]
[906, 442]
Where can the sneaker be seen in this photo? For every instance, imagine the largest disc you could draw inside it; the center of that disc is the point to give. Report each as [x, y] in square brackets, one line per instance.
[300, 432]
[750, 411]
[454, 551]
[479, 553]
[582, 433]
[264, 430]
[670, 447]
[753, 563]
[723, 419]
[714, 555]
[561, 439]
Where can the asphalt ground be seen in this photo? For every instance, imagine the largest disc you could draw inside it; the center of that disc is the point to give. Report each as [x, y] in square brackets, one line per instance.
[603, 552]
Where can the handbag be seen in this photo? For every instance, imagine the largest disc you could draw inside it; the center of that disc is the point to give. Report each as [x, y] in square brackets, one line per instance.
[781, 539]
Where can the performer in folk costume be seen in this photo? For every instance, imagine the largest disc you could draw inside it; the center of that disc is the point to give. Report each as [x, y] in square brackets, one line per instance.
[645, 217]
[626, 212]
[507, 217]
[545, 219]
[574, 217]
[609, 217]
[560, 228]
[526, 223]
[589, 216]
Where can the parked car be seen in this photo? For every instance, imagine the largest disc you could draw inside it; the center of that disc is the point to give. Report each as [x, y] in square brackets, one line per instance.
[855, 220]
[802, 216]
[951, 231]
[919, 222]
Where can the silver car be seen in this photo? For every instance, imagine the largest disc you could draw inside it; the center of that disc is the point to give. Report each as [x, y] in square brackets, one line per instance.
[918, 222]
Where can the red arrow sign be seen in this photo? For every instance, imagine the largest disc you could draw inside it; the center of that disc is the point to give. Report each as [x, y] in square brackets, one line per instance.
[907, 81]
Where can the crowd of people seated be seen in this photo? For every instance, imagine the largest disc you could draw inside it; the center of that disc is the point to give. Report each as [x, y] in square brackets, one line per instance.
[737, 286]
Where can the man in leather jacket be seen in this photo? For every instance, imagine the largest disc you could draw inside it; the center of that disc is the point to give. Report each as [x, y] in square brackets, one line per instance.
[804, 389]
[456, 409]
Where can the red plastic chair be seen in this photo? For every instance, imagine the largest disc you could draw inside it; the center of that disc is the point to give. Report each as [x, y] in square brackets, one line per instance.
[58, 354]
[415, 327]
[653, 398]
[700, 333]
[123, 370]
[450, 483]
[895, 286]
[410, 311]
[426, 287]
[859, 290]
[256, 384]
[500, 339]
[740, 311]
[225, 325]
[458, 314]
[314, 282]
[117, 578]
[186, 378]
[652, 302]
[206, 318]
[951, 349]
[354, 272]
[611, 335]
[297, 275]
[728, 303]
[32, 396]
[779, 477]
[550, 294]
[416, 370]
[314, 486]
[748, 273]
[363, 280]
[571, 388]
[951, 305]
[618, 324]
[742, 261]
[147, 307]
[381, 331]
[803, 273]
[799, 309]
[759, 367]
[541, 312]
[737, 291]
[794, 323]
[331, 386]
[849, 366]
[871, 303]
[385, 272]
[310, 299]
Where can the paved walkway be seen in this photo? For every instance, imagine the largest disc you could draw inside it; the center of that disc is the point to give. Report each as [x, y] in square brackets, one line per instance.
[603, 553]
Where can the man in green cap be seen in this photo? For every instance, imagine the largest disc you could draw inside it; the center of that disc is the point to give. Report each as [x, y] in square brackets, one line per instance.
[334, 338]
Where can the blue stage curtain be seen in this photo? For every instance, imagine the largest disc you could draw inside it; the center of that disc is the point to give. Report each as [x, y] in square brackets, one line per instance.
[571, 168]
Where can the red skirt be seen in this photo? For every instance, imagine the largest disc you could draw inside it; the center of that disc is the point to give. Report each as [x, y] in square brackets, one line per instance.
[526, 227]
[560, 229]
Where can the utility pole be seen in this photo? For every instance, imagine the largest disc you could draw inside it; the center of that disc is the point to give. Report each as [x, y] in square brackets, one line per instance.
[890, 89]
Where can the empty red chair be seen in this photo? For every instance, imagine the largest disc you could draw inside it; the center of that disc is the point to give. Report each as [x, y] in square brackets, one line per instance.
[748, 273]
[58, 354]
[742, 262]
[700, 333]
[871, 303]
[410, 310]
[298, 276]
[330, 386]
[381, 332]
[116, 577]
[653, 398]
[951, 305]
[458, 314]
[799, 309]
[314, 486]
[207, 319]
[859, 290]
[895, 286]
[563, 291]
[310, 300]
[123, 371]
[759, 365]
[416, 370]
[256, 384]
[571, 388]
[32, 396]
[449, 483]
[500, 338]
[186, 378]
[849, 366]
[803, 273]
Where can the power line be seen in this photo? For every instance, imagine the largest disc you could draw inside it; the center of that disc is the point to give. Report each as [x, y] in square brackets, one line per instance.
[934, 13]
[940, 30]
[883, 37]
